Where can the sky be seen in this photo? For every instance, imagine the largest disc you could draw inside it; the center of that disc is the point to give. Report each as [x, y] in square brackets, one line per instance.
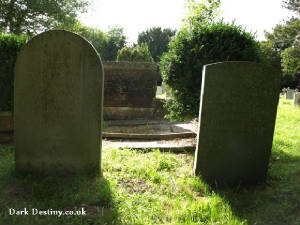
[136, 16]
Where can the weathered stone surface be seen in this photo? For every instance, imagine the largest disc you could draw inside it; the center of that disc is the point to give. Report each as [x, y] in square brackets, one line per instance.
[289, 94]
[129, 84]
[159, 90]
[6, 127]
[58, 101]
[236, 122]
[129, 90]
[6, 121]
[127, 113]
[297, 98]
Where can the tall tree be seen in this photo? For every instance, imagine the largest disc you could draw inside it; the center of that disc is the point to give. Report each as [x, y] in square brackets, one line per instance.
[282, 45]
[293, 5]
[284, 35]
[32, 16]
[97, 37]
[116, 41]
[157, 40]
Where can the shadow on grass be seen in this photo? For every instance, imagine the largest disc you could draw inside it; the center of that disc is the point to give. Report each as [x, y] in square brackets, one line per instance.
[275, 202]
[90, 197]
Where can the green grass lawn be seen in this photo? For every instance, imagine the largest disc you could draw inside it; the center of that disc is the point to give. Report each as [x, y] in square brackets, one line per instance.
[159, 188]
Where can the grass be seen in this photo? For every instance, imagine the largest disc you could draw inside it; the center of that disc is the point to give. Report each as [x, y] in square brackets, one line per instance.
[159, 188]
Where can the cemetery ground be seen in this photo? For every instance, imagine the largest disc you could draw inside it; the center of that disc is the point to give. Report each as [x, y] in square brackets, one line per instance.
[156, 187]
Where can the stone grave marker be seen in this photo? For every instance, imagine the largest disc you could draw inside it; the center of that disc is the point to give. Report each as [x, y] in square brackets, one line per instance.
[289, 94]
[58, 98]
[236, 122]
[297, 98]
[159, 90]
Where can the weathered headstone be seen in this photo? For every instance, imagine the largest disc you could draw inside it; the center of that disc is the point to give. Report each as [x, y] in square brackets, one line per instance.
[236, 122]
[58, 97]
[297, 98]
[289, 94]
[159, 90]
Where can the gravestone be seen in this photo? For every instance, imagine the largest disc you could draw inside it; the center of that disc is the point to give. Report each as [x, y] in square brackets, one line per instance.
[58, 97]
[289, 94]
[236, 122]
[297, 98]
[159, 90]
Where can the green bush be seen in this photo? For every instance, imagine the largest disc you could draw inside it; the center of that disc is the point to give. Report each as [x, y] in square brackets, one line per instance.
[10, 45]
[139, 53]
[290, 58]
[202, 44]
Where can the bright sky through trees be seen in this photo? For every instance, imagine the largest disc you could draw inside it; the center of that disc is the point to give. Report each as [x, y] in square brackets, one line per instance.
[136, 16]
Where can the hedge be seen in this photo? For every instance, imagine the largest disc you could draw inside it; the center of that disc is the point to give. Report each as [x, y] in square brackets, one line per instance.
[10, 45]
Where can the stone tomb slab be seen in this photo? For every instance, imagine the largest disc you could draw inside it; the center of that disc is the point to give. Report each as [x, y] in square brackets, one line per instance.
[58, 98]
[236, 122]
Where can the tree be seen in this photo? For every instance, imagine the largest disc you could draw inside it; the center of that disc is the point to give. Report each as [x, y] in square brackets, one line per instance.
[116, 41]
[33, 16]
[269, 55]
[204, 12]
[202, 41]
[293, 5]
[290, 60]
[140, 53]
[157, 40]
[284, 35]
[97, 37]
[282, 44]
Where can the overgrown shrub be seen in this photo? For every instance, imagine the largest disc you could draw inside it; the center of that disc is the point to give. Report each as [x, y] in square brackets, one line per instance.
[10, 45]
[140, 53]
[202, 44]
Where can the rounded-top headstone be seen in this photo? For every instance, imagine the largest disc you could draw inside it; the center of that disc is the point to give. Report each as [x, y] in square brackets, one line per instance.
[58, 98]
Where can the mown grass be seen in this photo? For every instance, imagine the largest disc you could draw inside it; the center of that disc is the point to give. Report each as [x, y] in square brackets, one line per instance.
[159, 188]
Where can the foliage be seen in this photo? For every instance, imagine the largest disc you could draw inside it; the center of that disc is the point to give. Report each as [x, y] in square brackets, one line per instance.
[204, 43]
[140, 53]
[10, 45]
[282, 46]
[284, 35]
[106, 44]
[293, 5]
[290, 60]
[33, 16]
[269, 55]
[204, 12]
[157, 40]
[124, 54]
[97, 37]
[116, 41]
